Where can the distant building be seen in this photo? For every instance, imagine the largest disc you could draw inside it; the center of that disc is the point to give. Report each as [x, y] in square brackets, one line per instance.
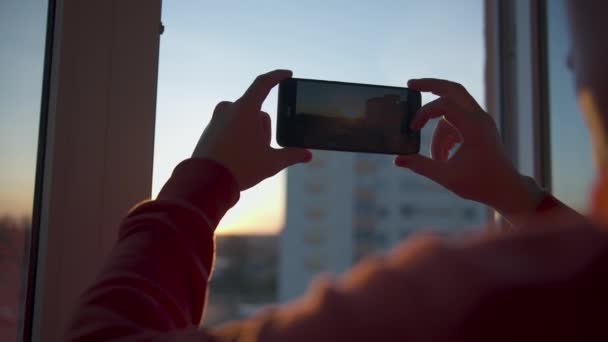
[244, 277]
[343, 206]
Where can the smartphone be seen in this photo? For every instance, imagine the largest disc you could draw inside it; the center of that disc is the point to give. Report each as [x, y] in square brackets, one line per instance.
[353, 117]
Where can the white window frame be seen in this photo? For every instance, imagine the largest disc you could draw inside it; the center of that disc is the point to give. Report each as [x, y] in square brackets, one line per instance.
[98, 153]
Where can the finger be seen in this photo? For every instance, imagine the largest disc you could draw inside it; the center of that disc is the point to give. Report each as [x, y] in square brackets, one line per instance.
[453, 140]
[450, 144]
[222, 108]
[266, 127]
[444, 88]
[432, 169]
[446, 148]
[444, 138]
[444, 107]
[261, 86]
[284, 157]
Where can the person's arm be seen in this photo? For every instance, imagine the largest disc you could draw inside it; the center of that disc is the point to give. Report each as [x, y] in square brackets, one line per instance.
[480, 168]
[155, 279]
[154, 284]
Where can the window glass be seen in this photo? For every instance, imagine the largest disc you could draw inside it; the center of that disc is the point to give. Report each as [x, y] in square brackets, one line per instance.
[22, 46]
[571, 154]
[326, 215]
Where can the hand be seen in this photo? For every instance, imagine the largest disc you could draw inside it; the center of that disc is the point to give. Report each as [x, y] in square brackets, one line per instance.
[238, 136]
[480, 170]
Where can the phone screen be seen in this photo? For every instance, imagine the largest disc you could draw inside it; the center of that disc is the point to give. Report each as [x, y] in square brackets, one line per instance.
[349, 116]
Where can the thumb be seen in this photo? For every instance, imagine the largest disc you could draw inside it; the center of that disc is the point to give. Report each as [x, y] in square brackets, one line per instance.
[284, 157]
[434, 170]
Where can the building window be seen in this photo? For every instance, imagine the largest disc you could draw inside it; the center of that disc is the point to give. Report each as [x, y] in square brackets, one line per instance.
[314, 188]
[314, 263]
[314, 236]
[363, 222]
[364, 167]
[363, 249]
[317, 161]
[407, 210]
[365, 208]
[420, 184]
[365, 235]
[315, 213]
[382, 212]
[437, 211]
[364, 193]
[469, 214]
[404, 233]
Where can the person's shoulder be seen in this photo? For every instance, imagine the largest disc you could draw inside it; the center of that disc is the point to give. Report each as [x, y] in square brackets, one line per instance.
[524, 255]
[542, 279]
[549, 252]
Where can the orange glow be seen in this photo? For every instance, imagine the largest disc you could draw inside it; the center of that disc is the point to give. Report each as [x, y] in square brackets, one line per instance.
[249, 219]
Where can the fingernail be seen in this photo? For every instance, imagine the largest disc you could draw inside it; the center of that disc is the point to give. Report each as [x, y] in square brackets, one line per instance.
[399, 162]
[307, 156]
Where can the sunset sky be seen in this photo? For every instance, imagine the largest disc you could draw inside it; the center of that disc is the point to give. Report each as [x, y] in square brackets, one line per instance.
[22, 33]
[212, 50]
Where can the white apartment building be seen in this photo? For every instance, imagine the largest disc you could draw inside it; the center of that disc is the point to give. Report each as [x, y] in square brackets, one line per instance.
[342, 206]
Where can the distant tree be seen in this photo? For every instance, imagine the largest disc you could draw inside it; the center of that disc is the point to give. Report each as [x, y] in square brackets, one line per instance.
[14, 239]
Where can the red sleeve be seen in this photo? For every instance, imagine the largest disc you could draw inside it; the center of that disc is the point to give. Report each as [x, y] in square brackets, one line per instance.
[548, 203]
[156, 277]
[550, 209]
[153, 287]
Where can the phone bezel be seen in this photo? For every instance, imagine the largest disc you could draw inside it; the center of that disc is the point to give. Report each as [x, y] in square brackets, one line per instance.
[286, 109]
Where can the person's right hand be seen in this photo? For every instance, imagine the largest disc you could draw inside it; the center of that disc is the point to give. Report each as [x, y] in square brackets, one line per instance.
[480, 170]
[239, 133]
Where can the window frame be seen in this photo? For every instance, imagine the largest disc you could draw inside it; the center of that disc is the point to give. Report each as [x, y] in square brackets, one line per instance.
[516, 75]
[27, 309]
[99, 93]
[547, 86]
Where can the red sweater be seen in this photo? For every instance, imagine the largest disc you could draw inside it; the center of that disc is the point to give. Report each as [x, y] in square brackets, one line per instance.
[546, 283]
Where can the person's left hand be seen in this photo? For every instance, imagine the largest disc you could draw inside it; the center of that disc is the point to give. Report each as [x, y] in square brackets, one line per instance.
[238, 136]
[480, 170]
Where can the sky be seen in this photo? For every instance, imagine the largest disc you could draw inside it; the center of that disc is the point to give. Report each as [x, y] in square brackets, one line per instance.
[22, 39]
[212, 50]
